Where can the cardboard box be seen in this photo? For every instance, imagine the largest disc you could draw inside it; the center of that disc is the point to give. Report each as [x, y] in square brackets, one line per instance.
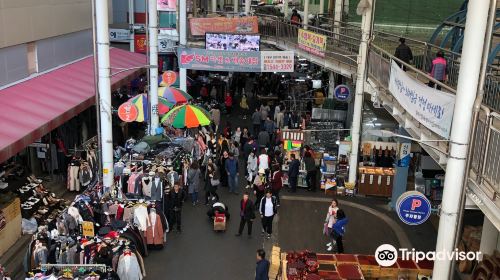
[10, 234]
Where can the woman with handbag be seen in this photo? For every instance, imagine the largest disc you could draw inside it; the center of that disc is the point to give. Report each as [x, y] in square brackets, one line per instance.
[330, 220]
[212, 181]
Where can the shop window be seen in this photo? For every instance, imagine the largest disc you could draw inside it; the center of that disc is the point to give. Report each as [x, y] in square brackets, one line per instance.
[32, 58]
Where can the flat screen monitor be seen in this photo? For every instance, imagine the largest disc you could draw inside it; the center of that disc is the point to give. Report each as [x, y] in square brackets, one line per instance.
[232, 42]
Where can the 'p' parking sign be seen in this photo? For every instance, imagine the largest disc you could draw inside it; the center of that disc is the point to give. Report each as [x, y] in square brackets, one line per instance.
[413, 208]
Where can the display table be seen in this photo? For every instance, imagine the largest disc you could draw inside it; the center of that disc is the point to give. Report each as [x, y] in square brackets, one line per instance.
[10, 224]
[376, 181]
[309, 265]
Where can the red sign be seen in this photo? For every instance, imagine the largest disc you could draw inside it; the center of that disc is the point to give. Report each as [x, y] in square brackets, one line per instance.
[242, 25]
[169, 78]
[127, 112]
[140, 43]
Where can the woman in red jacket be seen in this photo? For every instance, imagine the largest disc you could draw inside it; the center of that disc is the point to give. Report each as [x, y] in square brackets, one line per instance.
[228, 101]
[277, 182]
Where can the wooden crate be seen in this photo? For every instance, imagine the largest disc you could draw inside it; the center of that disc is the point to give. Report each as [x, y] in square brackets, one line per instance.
[326, 259]
[350, 271]
[369, 266]
[346, 258]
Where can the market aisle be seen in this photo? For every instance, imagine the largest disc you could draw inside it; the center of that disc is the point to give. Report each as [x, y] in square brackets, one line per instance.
[200, 253]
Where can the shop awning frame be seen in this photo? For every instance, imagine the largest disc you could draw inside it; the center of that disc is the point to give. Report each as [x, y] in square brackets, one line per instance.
[32, 108]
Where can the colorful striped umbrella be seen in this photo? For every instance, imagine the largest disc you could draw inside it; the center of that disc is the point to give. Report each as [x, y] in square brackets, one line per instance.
[186, 116]
[141, 102]
[164, 106]
[174, 95]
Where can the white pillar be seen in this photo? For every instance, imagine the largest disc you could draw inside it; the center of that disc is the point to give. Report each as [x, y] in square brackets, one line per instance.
[321, 6]
[285, 8]
[337, 16]
[489, 237]
[247, 6]
[235, 6]
[153, 65]
[306, 13]
[331, 84]
[183, 41]
[104, 87]
[366, 24]
[468, 79]
[131, 21]
[214, 6]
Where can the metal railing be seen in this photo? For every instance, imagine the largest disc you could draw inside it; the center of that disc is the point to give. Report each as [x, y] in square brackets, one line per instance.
[485, 155]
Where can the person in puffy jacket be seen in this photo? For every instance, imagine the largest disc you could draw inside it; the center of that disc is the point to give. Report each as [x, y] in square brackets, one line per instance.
[439, 69]
[404, 53]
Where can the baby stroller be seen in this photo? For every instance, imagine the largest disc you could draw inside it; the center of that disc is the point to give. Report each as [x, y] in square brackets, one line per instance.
[219, 213]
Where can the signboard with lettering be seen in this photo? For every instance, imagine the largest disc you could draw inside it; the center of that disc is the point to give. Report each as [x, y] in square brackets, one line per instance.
[119, 35]
[242, 25]
[166, 5]
[342, 93]
[128, 112]
[404, 155]
[215, 60]
[312, 42]
[88, 229]
[140, 43]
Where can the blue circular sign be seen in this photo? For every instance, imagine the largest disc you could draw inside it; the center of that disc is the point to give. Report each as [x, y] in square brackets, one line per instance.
[342, 93]
[413, 208]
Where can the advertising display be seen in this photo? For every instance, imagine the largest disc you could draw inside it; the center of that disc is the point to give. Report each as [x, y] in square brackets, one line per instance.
[127, 112]
[342, 93]
[241, 25]
[312, 42]
[431, 107]
[264, 61]
[166, 5]
[232, 42]
[140, 43]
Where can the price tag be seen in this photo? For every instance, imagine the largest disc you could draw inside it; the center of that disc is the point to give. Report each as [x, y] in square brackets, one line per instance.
[88, 229]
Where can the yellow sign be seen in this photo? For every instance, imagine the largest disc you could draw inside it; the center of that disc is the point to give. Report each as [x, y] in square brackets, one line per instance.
[105, 171]
[312, 42]
[88, 229]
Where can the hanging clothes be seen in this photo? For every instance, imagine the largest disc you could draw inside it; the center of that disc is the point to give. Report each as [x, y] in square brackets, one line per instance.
[157, 189]
[147, 182]
[128, 267]
[141, 218]
[154, 231]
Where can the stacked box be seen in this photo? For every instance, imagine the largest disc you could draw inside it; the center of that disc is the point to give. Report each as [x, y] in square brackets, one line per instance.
[407, 269]
[389, 272]
[369, 266]
[326, 259]
[350, 271]
[346, 258]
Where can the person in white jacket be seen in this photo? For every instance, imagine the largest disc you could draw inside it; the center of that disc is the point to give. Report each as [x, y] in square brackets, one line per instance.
[251, 168]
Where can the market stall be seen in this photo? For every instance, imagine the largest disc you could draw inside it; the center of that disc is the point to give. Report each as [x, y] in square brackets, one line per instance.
[313, 266]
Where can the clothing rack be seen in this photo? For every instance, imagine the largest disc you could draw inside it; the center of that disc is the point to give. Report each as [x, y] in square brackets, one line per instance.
[101, 267]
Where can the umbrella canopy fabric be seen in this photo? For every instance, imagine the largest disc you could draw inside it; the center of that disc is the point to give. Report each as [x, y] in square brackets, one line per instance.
[164, 105]
[174, 95]
[141, 102]
[186, 116]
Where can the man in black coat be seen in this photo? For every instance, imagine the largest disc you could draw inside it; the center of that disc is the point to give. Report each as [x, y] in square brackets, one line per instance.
[293, 173]
[247, 214]
[404, 53]
[175, 199]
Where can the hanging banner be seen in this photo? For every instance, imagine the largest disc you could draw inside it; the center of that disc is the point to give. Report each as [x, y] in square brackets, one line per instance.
[88, 229]
[140, 43]
[404, 155]
[312, 42]
[264, 61]
[166, 5]
[243, 25]
[431, 107]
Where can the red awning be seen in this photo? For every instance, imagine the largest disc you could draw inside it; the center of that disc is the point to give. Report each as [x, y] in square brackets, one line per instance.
[35, 107]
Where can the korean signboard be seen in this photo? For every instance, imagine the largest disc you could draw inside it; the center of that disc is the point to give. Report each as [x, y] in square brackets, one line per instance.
[312, 42]
[431, 107]
[119, 35]
[166, 5]
[212, 60]
[243, 25]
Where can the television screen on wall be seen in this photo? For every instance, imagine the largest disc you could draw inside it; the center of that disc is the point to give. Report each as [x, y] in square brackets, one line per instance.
[232, 42]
